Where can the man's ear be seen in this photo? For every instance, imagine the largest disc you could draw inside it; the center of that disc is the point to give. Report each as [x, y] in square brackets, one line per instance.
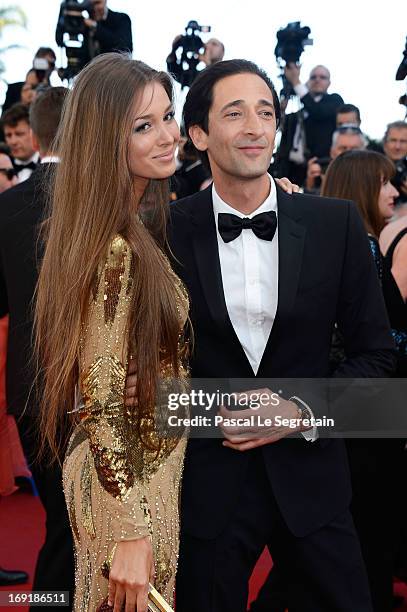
[199, 137]
[34, 140]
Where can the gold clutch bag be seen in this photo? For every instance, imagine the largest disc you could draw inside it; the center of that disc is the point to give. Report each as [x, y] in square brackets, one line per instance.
[156, 603]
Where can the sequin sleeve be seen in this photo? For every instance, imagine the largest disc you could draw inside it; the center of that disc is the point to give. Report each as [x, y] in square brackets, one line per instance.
[103, 367]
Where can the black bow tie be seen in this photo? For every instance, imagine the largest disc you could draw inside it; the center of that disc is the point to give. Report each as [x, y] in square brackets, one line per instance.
[19, 167]
[264, 225]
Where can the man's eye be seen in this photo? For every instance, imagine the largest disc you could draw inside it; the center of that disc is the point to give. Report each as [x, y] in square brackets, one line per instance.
[233, 114]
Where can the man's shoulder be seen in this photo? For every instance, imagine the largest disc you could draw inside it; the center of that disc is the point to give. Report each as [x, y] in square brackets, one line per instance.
[185, 206]
[17, 200]
[116, 17]
[333, 97]
[325, 203]
[316, 208]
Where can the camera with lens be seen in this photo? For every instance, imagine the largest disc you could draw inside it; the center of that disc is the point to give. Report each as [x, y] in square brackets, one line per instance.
[291, 41]
[71, 31]
[184, 67]
[402, 74]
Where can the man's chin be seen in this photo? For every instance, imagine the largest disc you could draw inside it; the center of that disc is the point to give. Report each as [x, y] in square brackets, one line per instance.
[253, 172]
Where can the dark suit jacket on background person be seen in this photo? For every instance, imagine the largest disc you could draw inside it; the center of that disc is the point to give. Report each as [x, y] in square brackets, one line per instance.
[320, 122]
[13, 94]
[111, 34]
[282, 164]
[21, 212]
[326, 275]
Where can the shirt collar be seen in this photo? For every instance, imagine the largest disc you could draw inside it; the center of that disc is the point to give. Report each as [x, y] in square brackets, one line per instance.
[50, 159]
[34, 158]
[220, 206]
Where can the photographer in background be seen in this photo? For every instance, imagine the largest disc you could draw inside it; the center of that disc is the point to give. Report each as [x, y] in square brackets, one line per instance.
[43, 66]
[104, 31]
[308, 132]
[319, 107]
[345, 138]
[183, 67]
[214, 52]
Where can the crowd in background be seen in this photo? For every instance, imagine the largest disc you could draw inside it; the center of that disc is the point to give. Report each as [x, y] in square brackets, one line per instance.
[324, 150]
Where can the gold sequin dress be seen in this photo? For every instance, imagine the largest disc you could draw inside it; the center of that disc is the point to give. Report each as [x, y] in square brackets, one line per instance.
[115, 488]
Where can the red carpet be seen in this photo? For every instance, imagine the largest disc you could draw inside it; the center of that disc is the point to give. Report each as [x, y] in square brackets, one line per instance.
[22, 534]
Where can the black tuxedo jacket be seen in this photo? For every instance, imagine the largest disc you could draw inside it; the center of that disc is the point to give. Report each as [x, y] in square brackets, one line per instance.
[21, 212]
[326, 275]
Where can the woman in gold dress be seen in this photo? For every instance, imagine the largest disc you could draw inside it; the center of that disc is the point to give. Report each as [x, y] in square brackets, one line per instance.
[106, 294]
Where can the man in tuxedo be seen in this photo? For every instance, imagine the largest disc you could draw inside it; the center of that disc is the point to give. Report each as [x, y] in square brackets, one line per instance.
[13, 94]
[269, 274]
[17, 133]
[22, 210]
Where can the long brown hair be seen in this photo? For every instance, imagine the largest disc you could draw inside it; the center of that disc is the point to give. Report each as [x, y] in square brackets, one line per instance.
[93, 200]
[358, 176]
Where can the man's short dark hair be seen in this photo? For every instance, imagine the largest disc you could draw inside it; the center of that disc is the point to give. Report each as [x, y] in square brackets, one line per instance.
[44, 51]
[200, 96]
[348, 108]
[45, 115]
[16, 113]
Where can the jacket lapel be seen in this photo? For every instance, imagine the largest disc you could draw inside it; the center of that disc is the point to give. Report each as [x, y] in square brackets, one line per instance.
[206, 252]
[205, 248]
[291, 238]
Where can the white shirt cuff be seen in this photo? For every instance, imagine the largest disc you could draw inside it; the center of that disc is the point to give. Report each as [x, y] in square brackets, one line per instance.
[301, 90]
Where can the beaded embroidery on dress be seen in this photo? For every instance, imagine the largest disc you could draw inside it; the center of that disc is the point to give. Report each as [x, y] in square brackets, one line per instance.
[116, 488]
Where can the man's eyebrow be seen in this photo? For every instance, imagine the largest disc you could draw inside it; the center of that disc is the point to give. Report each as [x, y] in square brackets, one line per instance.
[261, 102]
[144, 117]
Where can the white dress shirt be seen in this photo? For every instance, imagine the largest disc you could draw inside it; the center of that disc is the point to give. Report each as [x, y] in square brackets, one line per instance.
[23, 175]
[249, 268]
[50, 159]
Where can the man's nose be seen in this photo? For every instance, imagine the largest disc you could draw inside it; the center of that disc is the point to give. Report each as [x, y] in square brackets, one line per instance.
[254, 124]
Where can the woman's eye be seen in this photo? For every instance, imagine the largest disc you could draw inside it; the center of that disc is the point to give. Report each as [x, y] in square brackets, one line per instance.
[142, 128]
[169, 116]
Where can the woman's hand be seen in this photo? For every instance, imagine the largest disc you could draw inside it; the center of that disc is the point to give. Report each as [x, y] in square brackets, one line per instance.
[287, 186]
[131, 571]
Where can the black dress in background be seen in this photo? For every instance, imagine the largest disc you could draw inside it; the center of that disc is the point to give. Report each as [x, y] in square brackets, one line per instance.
[396, 306]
